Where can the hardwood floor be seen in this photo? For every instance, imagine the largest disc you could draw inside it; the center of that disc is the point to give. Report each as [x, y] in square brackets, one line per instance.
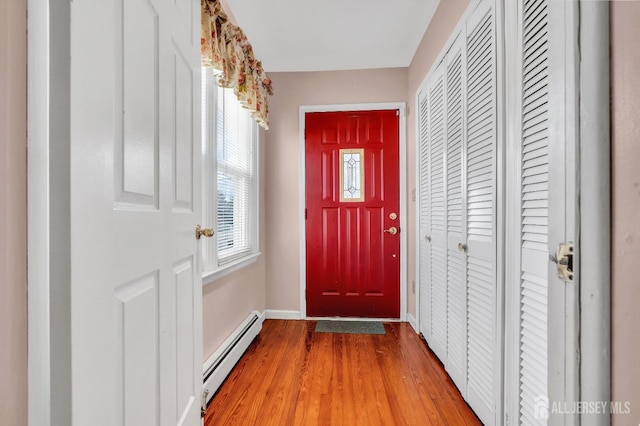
[291, 375]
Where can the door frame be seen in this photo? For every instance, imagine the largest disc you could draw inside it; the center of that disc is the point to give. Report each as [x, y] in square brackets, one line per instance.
[402, 141]
[49, 221]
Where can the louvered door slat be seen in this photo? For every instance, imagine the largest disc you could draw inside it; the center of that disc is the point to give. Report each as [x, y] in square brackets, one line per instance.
[534, 159]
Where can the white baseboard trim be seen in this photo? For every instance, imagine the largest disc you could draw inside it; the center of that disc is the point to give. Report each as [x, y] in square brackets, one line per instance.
[218, 366]
[412, 321]
[283, 315]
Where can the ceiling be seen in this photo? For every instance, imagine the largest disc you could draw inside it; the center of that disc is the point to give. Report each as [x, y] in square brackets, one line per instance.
[305, 35]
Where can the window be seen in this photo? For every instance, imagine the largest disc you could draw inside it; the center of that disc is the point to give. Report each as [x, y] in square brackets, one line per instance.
[230, 179]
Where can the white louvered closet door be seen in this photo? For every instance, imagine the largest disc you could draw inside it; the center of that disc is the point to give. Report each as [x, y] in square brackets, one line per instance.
[545, 351]
[534, 192]
[454, 75]
[437, 218]
[483, 366]
[424, 260]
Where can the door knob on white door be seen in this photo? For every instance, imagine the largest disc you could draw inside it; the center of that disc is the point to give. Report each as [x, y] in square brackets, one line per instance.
[462, 247]
[393, 230]
[207, 232]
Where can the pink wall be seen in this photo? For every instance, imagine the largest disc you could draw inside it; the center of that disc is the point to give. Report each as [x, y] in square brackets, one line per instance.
[293, 90]
[442, 25]
[13, 212]
[229, 300]
[625, 207]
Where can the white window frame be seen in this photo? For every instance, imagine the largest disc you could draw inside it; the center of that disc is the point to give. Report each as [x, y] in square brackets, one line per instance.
[211, 269]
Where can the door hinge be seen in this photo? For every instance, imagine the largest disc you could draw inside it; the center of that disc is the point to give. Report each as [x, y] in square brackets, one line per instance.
[564, 261]
[305, 214]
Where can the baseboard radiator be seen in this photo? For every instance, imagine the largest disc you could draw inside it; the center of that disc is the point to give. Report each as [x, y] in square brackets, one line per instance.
[221, 362]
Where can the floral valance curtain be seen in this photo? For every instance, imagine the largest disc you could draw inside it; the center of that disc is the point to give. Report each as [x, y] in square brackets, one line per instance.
[226, 49]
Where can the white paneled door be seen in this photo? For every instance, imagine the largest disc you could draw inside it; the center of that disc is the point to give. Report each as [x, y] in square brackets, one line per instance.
[135, 201]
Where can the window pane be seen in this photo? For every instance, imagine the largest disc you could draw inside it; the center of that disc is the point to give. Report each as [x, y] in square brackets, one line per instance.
[230, 202]
[351, 175]
[235, 179]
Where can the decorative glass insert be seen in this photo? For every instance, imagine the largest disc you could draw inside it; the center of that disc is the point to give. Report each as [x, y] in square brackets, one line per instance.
[352, 175]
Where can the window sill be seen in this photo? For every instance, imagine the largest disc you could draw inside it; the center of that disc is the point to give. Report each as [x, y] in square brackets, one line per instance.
[210, 276]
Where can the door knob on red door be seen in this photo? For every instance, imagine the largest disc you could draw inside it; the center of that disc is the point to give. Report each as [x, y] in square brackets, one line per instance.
[393, 230]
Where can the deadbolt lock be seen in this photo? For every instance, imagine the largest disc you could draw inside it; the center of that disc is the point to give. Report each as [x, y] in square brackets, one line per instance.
[393, 216]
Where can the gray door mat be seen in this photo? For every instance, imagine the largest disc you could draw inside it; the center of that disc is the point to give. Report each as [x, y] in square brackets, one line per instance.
[350, 327]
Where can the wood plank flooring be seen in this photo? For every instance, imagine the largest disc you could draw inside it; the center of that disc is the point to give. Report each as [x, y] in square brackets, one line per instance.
[291, 375]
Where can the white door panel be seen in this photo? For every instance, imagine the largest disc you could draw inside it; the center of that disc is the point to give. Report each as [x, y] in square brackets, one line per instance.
[437, 208]
[424, 217]
[483, 377]
[136, 287]
[533, 195]
[541, 328]
[455, 70]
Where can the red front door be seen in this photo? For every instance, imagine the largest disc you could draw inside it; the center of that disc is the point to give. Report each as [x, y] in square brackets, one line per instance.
[352, 202]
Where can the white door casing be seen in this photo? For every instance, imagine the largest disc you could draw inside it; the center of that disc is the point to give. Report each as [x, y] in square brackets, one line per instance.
[564, 199]
[136, 320]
